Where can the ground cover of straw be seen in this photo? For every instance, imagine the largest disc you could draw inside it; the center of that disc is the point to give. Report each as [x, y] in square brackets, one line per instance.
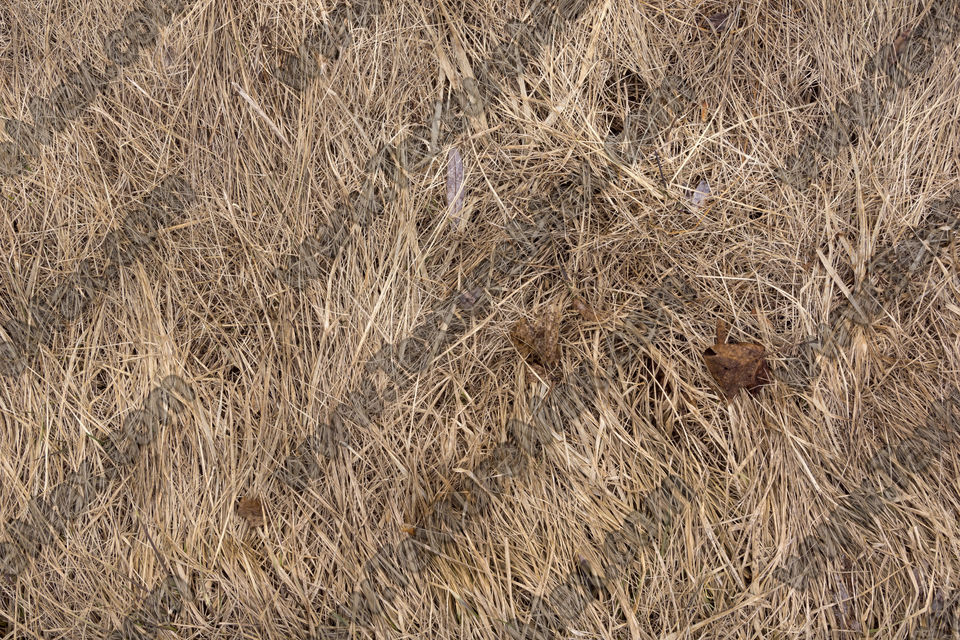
[267, 361]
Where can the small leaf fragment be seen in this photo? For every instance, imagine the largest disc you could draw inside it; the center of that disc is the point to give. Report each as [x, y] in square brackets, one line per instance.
[699, 196]
[539, 343]
[718, 21]
[901, 40]
[468, 299]
[586, 311]
[251, 510]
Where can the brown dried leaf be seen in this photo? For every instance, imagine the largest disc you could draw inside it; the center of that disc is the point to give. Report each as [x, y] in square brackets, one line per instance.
[251, 510]
[539, 343]
[900, 42]
[586, 311]
[736, 365]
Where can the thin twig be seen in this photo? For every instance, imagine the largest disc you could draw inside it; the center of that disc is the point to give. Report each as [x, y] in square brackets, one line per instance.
[660, 169]
[155, 550]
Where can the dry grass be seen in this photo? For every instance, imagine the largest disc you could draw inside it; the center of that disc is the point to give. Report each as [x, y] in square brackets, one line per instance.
[268, 362]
